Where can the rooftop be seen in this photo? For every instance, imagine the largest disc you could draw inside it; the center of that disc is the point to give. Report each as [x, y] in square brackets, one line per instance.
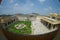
[50, 20]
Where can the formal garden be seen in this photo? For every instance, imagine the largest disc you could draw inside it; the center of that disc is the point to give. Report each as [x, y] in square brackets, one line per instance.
[21, 27]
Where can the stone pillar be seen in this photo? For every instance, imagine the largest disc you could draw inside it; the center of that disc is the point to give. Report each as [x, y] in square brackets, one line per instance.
[51, 26]
[47, 25]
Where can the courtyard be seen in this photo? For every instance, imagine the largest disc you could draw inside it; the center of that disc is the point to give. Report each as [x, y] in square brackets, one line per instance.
[39, 28]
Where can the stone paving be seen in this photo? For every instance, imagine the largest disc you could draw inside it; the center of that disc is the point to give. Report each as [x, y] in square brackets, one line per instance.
[39, 28]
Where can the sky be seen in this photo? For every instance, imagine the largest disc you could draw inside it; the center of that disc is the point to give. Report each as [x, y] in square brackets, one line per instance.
[42, 7]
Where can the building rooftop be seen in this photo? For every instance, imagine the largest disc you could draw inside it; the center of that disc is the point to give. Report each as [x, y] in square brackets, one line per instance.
[50, 20]
[55, 15]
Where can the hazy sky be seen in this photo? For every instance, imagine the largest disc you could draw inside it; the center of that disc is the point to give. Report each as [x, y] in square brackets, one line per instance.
[42, 7]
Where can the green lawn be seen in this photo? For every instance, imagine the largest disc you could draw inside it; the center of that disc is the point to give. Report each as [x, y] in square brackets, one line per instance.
[25, 30]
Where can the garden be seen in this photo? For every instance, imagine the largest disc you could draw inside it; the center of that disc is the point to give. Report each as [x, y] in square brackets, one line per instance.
[21, 27]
